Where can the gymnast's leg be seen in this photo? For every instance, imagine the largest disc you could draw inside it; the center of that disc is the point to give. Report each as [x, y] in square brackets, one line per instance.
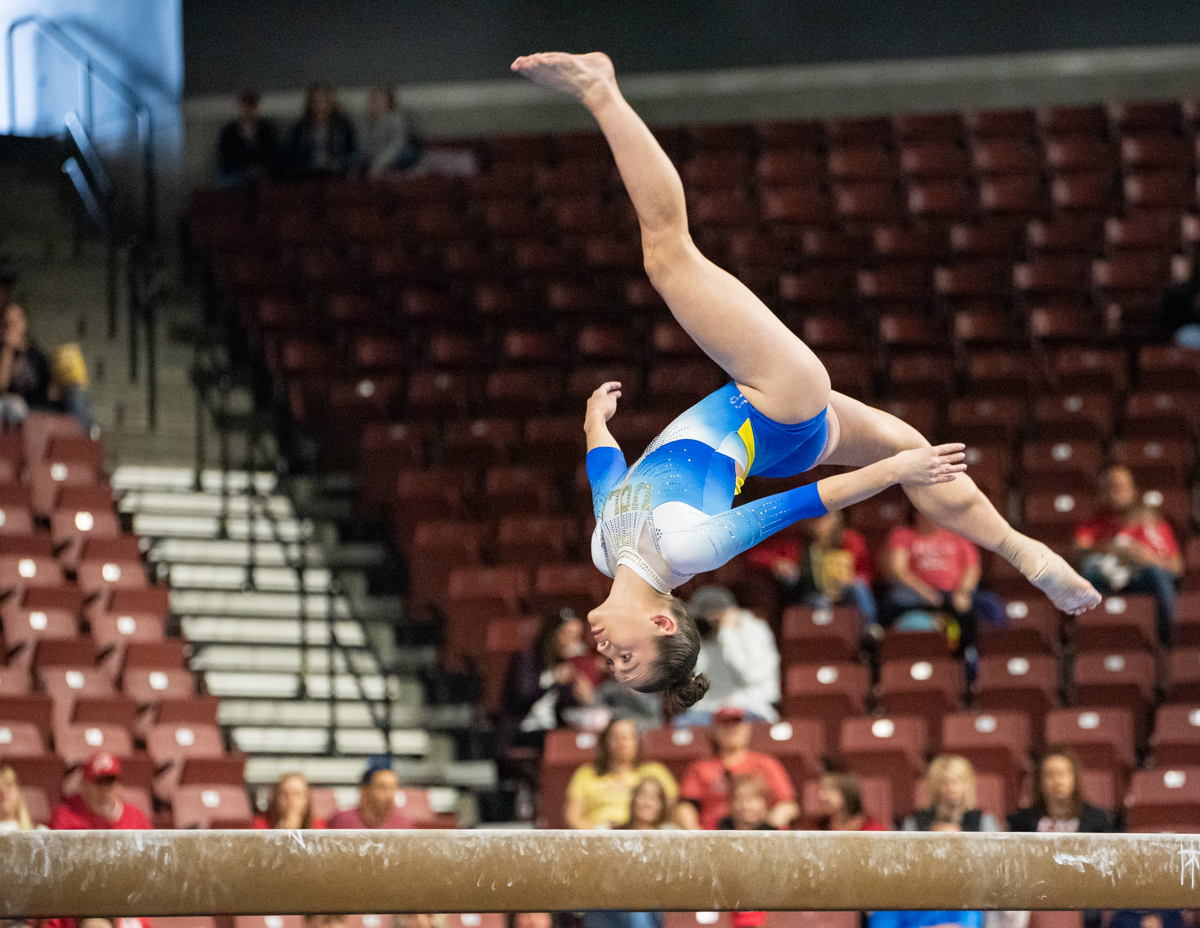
[775, 371]
[862, 435]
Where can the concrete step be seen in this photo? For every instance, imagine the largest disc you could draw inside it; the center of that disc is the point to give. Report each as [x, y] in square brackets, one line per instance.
[251, 740]
[346, 771]
[134, 477]
[404, 690]
[231, 577]
[255, 605]
[183, 503]
[151, 525]
[283, 713]
[268, 659]
[199, 629]
[233, 552]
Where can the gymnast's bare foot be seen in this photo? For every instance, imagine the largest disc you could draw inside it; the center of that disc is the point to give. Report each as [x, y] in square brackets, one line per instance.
[587, 78]
[1049, 573]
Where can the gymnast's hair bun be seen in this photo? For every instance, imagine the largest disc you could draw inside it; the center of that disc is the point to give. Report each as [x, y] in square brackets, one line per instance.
[685, 694]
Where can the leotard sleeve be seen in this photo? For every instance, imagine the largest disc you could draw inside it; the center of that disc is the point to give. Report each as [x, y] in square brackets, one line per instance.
[605, 465]
[706, 545]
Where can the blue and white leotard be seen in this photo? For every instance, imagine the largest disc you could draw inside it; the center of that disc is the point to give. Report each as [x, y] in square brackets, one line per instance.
[669, 516]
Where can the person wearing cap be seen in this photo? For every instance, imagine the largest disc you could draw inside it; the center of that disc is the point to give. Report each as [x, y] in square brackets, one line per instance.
[376, 799]
[739, 657]
[98, 804]
[704, 794]
[247, 148]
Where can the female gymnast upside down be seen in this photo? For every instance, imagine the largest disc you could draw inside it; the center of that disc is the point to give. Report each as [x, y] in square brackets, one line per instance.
[668, 517]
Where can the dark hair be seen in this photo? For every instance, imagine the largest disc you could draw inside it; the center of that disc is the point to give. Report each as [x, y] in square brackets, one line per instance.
[603, 761]
[547, 639]
[1068, 753]
[273, 814]
[847, 785]
[310, 94]
[664, 802]
[248, 97]
[675, 669]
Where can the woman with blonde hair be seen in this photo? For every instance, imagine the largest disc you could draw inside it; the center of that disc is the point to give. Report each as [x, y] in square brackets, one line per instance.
[951, 783]
[14, 816]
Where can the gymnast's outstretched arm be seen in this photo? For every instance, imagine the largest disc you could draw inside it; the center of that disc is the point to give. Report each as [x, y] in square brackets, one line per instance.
[696, 547]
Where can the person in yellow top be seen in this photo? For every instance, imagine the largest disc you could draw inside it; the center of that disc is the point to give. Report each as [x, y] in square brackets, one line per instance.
[599, 793]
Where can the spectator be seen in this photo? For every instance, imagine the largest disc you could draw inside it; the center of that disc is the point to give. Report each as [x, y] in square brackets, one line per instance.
[1129, 548]
[530, 920]
[599, 793]
[323, 141]
[820, 564]
[748, 806]
[98, 804]
[323, 920]
[436, 920]
[290, 805]
[704, 795]
[951, 784]
[1152, 918]
[924, 919]
[1180, 314]
[932, 568]
[560, 672]
[28, 379]
[387, 143]
[247, 148]
[650, 808]
[840, 797]
[376, 799]
[14, 816]
[739, 657]
[1058, 803]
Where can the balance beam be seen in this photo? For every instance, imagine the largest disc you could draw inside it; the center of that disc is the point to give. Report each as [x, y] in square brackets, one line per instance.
[128, 873]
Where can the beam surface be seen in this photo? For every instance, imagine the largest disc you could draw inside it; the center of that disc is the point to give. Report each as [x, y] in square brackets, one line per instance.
[129, 873]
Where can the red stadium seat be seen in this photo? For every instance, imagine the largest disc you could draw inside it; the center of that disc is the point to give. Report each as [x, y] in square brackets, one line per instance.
[1033, 627]
[1176, 737]
[16, 516]
[1156, 461]
[1164, 800]
[798, 744]
[110, 564]
[890, 747]
[120, 711]
[829, 692]
[200, 806]
[1104, 738]
[1020, 683]
[824, 634]
[1016, 196]
[994, 742]
[1168, 368]
[1120, 679]
[19, 739]
[1063, 465]
[860, 163]
[480, 441]
[563, 753]
[1005, 155]
[170, 745]
[578, 586]
[1158, 414]
[20, 707]
[988, 419]
[76, 743]
[1086, 370]
[1086, 416]
[927, 688]
[1001, 374]
[677, 748]
[149, 687]
[777, 167]
[1121, 623]
[992, 123]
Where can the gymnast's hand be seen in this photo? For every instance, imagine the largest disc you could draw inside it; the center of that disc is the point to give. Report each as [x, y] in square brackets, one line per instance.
[604, 400]
[924, 467]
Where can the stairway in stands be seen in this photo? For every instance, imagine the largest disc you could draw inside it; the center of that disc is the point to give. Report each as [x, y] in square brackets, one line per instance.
[231, 549]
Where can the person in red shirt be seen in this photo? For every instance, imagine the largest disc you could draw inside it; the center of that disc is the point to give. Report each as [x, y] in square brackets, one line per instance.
[1128, 547]
[935, 570]
[704, 794]
[290, 805]
[376, 800]
[820, 563]
[98, 805]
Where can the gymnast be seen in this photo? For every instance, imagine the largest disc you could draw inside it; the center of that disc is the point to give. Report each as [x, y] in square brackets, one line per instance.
[669, 516]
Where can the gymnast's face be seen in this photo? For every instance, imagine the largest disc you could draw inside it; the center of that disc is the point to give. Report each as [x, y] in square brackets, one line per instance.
[625, 638]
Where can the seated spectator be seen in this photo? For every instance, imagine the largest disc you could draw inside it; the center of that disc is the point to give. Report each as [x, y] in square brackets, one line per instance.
[951, 784]
[387, 143]
[290, 805]
[650, 808]
[98, 803]
[748, 806]
[840, 797]
[704, 794]
[1128, 548]
[29, 380]
[14, 816]
[323, 141]
[376, 799]
[1180, 316]
[933, 569]
[599, 793]
[821, 563]
[739, 657]
[324, 920]
[558, 673]
[1143, 918]
[924, 919]
[1058, 803]
[247, 148]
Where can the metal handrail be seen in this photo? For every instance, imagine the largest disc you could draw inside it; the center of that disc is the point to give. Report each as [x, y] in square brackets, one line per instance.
[89, 71]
